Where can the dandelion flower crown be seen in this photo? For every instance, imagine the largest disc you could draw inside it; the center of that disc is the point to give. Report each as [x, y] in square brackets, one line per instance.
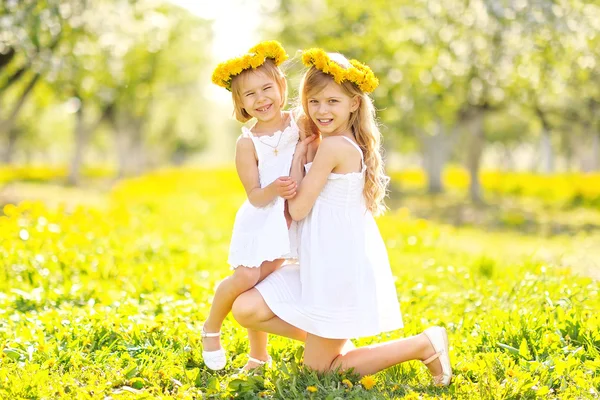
[359, 74]
[254, 58]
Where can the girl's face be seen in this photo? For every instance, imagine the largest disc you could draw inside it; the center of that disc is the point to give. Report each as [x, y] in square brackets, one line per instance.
[261, 97]
[330, 109]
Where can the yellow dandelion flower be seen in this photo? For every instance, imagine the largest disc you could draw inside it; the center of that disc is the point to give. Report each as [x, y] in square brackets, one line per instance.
[368, 382]
[256, 61]
[354, 75]
[254, 58]
[347, 383]
[311, 389]
[359, 74]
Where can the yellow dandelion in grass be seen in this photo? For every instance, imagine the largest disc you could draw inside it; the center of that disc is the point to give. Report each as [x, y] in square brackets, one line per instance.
[368, 382]
[347, 383]
[311, 389]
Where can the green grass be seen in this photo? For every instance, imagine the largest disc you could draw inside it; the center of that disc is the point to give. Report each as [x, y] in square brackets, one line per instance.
[109, 301]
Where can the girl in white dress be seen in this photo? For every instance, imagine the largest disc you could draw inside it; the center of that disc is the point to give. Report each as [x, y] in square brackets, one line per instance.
[261, 238]
[343, 287]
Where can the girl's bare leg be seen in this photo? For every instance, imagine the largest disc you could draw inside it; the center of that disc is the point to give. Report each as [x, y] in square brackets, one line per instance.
[251, 311]
[258, 339]
[326, 354]
[228, 290]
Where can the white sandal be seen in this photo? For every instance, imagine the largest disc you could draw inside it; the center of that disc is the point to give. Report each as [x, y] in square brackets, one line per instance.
[216, 359]
[260, 363]
[439, 340]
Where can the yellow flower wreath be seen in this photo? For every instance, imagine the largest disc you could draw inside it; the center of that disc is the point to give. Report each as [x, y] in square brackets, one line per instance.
[358, 73]
[255, 57]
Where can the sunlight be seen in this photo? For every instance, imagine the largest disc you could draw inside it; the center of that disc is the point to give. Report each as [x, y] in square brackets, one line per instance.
[235, 24]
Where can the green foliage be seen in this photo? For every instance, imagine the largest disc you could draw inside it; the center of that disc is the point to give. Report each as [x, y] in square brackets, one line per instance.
[132, 64]
[441, 61]
[99, 303]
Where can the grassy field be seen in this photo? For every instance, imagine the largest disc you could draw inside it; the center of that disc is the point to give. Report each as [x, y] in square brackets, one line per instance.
[102, 294]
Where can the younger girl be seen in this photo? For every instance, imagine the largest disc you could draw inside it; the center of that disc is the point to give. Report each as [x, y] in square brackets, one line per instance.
[260, 241]
[344, 287]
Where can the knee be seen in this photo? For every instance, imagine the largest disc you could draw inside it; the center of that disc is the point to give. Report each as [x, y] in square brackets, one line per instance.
[321, 364]
[243, 310]
[245, 277]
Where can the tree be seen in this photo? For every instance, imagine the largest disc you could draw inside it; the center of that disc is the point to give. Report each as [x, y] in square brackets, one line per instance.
[34, 30]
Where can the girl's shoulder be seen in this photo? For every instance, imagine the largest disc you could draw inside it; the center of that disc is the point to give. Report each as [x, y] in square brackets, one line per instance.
[244, 142]
[338, 142]
[339, 146]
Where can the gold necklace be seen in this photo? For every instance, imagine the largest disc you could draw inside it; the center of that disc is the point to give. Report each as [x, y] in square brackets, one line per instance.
[275, 150]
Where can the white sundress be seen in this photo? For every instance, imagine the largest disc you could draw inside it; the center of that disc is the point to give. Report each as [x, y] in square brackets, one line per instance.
[343, 287]
[261, 233]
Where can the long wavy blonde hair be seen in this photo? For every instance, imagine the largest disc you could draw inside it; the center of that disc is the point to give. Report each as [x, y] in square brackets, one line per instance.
[363, 124]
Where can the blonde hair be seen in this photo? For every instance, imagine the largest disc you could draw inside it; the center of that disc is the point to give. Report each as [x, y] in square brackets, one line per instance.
[270, 70]
[363, 124]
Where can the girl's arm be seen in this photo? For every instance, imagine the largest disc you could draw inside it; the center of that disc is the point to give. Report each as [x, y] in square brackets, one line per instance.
[247, 169]
[306, 129]
[310, 186]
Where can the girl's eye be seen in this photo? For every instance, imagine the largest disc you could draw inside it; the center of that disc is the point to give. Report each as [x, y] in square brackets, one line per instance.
[313, 101]
[268, 87]
[249, 94]
[333, 101]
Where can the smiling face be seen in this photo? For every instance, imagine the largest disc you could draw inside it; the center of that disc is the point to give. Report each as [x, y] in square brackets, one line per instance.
[260, 96]
[254, 89]
[330, 108]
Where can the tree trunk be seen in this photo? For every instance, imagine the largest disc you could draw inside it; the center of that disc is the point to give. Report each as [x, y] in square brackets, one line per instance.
[83, 134]
[546, 153]
[122, 148]
[7, 157]
[80, 143]
[435, 150]
[474, 122]
[508, 161]
[595, 156]
[137, 148]
[8, 123]
[7, 57]
[129, 142]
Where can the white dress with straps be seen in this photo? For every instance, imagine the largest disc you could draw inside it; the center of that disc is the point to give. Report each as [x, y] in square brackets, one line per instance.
[261, 233]
[343, 287]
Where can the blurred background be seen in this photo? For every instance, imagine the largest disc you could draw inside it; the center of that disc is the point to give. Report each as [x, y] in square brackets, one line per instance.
[491, 102]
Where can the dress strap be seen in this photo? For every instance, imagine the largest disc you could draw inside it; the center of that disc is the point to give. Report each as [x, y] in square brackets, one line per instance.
[362, 160]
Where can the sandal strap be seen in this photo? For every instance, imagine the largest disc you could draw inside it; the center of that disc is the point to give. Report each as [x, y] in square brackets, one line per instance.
[260, 362]
[432, 358]
[205, 334]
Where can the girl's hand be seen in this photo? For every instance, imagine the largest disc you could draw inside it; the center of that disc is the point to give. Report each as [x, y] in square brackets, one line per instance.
[312, 149]
[303, 146]
[285, 187]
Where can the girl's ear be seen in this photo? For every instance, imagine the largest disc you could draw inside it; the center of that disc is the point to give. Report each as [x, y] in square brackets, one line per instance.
[355, 103]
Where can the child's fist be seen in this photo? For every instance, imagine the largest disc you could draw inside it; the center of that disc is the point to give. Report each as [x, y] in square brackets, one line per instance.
[285, 186]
